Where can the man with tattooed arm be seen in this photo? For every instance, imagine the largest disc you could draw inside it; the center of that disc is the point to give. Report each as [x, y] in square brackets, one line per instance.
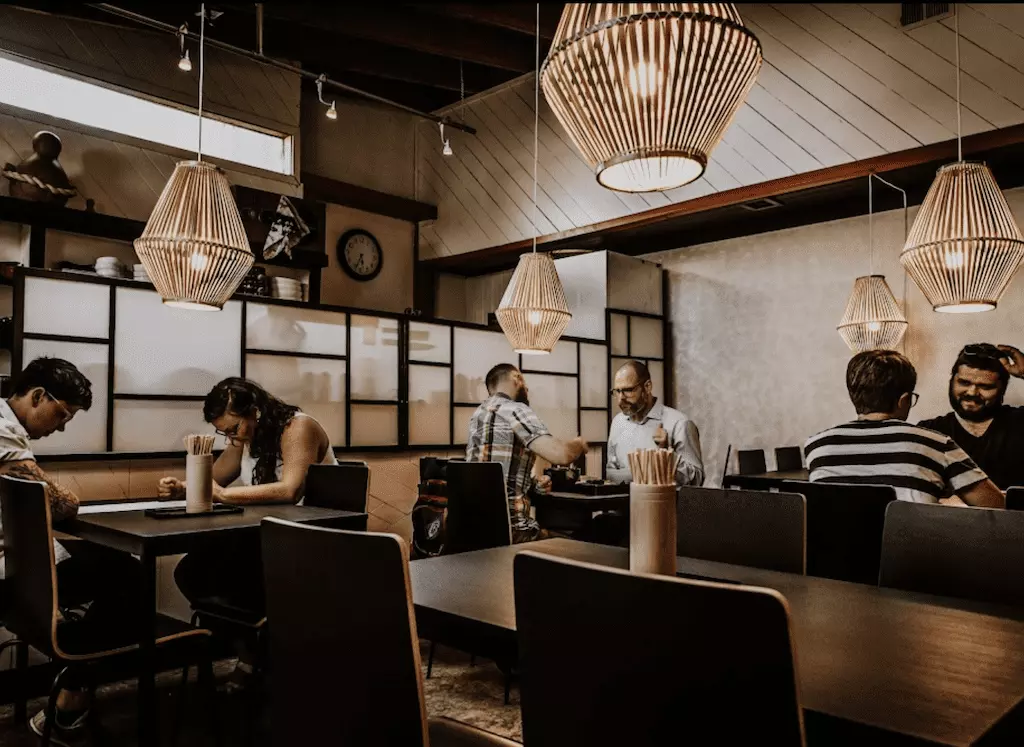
[47, 394]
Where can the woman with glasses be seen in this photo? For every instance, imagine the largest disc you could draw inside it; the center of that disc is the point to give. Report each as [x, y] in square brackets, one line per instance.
[270, 446]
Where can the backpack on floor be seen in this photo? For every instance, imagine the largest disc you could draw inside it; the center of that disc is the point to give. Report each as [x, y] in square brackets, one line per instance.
[430, 512]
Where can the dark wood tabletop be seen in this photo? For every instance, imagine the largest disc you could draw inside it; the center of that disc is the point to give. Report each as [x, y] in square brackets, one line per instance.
[920, 667]
[799, 475]
[581, 501]
[133, 531]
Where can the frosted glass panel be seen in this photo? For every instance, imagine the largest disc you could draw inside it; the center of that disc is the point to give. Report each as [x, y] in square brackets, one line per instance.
[163, 350]
[561, 359]
[657, 369]
[293, 329]
[617, 363]
[87, 433]
[462, 417]
[594, 425]
[553, 398]
[429, 405]
[374, 425]
[595, 462]
[430, 342]
[64, 307]
[646, 337]
[141, 425]
[593, 375]
[315, 385]
[476, 352]
[620, 334]
[374, 359]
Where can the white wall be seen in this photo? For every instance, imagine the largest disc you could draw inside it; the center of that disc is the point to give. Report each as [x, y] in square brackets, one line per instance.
[757, 359]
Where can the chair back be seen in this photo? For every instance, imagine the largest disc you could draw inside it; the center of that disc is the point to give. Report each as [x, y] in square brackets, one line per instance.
[788, 459]
[954, 552]
[341, 486]
[478, 515]
[751, 462]
[30, 567]
[844, 528]
[1015, 499]
[343, 643]
[745, 527]
[612, 658]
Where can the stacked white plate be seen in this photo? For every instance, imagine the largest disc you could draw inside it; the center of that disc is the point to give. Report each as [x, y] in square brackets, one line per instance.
[109, 267]
[140, 274]
[286, 288]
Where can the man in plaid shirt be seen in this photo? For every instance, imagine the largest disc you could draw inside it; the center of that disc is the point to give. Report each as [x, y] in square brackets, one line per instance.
[505, 430]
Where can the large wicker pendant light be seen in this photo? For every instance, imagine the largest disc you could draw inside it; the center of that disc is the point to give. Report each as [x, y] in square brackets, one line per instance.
[533, 313]
[965, 245]
[646, 90]
[873, 320]
[194, 247]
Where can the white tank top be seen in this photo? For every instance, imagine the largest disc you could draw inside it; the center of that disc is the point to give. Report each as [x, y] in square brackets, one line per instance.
[249, 462]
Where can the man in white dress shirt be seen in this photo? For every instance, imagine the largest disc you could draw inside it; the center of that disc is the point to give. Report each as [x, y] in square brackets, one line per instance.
[645, 423]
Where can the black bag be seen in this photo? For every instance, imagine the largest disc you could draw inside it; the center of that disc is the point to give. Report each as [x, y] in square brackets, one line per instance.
[430, 512]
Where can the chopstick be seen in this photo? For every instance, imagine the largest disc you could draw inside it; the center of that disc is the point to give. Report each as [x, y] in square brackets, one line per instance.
[198, 444]
[653, 466]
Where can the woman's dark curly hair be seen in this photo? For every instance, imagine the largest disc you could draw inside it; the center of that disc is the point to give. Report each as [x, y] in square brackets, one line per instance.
[242, 397]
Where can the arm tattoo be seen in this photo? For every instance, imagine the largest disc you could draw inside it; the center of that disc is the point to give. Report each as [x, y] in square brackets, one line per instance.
[63, 503]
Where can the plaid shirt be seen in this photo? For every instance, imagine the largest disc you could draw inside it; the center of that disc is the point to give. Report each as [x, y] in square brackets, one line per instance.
[501, 430]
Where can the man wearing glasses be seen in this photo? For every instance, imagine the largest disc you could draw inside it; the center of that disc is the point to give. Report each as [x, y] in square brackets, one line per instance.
[645, 423]
[992, 433]
[881, 448]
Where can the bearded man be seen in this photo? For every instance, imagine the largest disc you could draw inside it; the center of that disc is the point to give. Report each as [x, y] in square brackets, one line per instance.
[992, 433]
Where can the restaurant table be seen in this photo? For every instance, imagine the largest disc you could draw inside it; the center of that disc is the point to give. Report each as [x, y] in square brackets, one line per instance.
[573, 513]
[765, 480]
[875, 666]
[133, 532]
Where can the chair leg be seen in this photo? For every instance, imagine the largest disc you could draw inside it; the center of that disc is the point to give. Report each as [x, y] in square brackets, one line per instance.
[430, 660]
[51, 706]
[20, 666]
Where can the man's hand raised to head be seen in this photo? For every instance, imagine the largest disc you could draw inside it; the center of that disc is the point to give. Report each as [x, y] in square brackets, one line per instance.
[1014, 361]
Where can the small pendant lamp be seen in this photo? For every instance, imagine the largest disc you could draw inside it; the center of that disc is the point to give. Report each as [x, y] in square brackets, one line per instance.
[194, 247]
[873, 320]
[533, 313]
[965, 245]
[645, 90]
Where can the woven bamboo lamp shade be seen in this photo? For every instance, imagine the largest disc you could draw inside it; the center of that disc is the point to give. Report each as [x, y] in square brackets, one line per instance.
[645, 90]
[965, 246]
[533, 313]
[873, 319]
[194, 247]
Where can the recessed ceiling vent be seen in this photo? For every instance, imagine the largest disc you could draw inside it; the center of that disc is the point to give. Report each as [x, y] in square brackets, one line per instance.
[765, 203]
[913, 15]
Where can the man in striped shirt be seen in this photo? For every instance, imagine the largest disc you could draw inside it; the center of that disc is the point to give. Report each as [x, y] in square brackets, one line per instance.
[881, 448]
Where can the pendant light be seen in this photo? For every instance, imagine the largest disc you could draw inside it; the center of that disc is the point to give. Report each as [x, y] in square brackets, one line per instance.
[645, 91]
[965, 245]
[194, 247]
[533, 313]
[873, 320]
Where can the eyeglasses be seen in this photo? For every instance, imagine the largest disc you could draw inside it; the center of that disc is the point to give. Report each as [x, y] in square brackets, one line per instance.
[982, 350]
[914, 397]
[626, 390]
[66, 414]
[229, 433]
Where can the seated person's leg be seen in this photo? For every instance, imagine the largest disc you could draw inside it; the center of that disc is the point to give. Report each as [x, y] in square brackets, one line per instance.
[231, 574]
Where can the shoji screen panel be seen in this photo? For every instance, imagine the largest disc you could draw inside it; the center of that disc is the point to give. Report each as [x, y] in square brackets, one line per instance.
[374, 359]
[561, 359]
[87, 433]
[161, 350]
[158, 425]
[374, 425]
[315, 385]
[619, 334]
[430, 400]
[461, 417]
[295, 330]
[66, 307]
[476, 352]
[646, 337]
[553, 398]
[430, 343]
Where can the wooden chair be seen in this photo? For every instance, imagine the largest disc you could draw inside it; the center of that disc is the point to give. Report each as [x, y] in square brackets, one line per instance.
[745, 527]
[788, 459]
[1015, 499]
[954, 552]
[844, 528]
[343, 486]
[751, 462]
[478, 517]
[609, 658]
[343, 642]
[33, 615]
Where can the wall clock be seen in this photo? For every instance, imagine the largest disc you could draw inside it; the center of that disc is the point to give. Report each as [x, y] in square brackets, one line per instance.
[360, 255]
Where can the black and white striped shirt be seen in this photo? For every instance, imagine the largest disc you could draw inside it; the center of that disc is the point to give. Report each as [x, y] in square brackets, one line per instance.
[923, 465]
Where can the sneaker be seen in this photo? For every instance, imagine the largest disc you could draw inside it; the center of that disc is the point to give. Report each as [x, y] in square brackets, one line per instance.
[61, 736]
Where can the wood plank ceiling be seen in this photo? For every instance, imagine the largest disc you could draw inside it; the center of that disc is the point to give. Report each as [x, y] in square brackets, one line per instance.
[841, 83]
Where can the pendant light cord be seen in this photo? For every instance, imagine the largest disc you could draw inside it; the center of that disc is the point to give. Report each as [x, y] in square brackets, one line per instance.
[871, 225]
[202, 70]
[959, 127]
[536, 126]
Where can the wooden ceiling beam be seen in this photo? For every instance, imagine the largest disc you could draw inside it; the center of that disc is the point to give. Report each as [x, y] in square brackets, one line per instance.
[518, 17]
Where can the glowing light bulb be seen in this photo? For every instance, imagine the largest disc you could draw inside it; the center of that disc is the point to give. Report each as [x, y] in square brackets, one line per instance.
[332, 113]
[199, 262]
[874, 326]
[953, 260]
[185, 63]
[534, 318]
[645, 79]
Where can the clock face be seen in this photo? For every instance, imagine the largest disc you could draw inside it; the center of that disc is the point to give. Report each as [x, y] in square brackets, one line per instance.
[360, 255]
